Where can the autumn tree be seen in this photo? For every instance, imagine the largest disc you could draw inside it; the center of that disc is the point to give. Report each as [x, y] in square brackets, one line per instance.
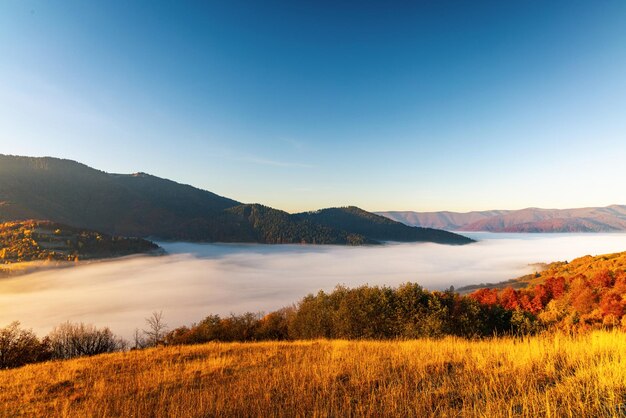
[486, 296]
[509, 299]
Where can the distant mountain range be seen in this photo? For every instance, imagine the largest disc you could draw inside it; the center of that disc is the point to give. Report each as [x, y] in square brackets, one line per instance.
[142, 205]
[596, 219]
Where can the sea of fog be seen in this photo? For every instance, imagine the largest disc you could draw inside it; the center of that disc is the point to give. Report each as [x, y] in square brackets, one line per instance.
[194, 280]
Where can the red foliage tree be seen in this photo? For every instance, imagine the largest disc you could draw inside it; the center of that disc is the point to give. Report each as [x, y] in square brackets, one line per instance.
[620, 282]
[525, 301]
[603, 279]
[509, 298]
[611, 304]
[541, 298]
[584, 301]
[556, 286]
[487, 297]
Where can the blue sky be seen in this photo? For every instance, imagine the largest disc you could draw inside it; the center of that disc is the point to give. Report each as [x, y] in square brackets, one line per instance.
[300, 105]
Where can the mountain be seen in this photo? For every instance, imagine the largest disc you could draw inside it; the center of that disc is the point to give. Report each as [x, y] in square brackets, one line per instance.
[71, 193]
[607, 219]
[593, 219]
[142, 205]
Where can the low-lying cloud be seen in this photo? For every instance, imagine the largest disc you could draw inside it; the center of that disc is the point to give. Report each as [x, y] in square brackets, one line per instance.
[198, 279]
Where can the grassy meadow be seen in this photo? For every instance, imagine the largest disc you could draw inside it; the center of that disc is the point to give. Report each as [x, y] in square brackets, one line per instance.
[550, 375]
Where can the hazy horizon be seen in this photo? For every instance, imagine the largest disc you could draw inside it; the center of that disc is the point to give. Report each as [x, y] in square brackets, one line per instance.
[368, 209]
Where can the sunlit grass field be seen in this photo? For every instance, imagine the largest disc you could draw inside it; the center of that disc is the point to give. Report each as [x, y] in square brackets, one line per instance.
[551, 375]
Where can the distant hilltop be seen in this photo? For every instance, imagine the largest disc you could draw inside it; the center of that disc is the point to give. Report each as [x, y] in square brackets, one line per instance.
[595, 219]
[23, 244]
[146, 206]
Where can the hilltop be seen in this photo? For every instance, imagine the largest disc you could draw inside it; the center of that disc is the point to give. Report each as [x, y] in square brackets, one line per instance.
[142, 205]
[29, 241]
[594, 219]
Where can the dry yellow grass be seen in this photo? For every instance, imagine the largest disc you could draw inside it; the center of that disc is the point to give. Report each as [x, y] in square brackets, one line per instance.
[583, 376]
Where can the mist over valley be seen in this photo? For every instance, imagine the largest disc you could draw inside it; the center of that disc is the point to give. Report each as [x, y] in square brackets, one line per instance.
[195, 280]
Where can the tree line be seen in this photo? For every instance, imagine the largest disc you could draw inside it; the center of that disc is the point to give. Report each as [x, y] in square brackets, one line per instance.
[365, 312]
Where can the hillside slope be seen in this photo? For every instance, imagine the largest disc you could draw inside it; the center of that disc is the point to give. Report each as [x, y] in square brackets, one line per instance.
[132, 205]
[588, 292]
[143, 205]
[567, 376]
[593, 219]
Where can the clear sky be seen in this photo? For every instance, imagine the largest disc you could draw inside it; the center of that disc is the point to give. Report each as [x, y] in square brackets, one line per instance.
[428, 105]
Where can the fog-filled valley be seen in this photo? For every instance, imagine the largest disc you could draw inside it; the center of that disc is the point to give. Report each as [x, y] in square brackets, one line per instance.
[194, 280]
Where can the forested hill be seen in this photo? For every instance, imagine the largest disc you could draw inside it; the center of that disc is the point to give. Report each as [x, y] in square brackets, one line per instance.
[377, 227]
[44, 240]
[142, 205]
[74, 194]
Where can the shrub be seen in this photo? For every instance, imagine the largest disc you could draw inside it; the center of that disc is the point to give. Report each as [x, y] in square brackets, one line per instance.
[70, 340]
[19, 347]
